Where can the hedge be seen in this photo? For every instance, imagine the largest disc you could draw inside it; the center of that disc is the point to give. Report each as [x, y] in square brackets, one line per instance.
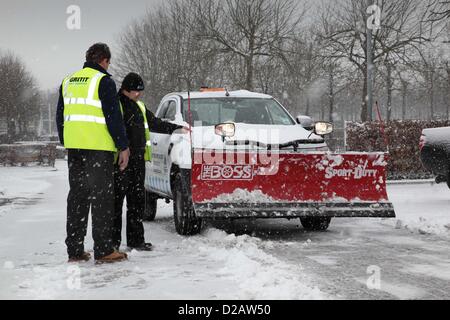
[403, 144]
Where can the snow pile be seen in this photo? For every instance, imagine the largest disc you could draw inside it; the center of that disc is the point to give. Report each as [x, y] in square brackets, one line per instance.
[259, 275]
[424, 226]
[212, 265]
[418, 213]
[242, 196]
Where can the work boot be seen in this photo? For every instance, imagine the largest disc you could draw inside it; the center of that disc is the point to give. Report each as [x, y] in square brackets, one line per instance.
[116, 256]
[143, 247]
[86, 256]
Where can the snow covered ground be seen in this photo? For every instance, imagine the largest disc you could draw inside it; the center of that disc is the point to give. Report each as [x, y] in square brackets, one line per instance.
[421, 207]
[404, 258]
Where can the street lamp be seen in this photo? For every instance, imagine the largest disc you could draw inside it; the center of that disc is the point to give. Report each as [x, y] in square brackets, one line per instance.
[373, 24]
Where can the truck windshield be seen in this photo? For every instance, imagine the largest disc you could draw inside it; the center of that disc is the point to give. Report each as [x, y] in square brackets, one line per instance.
[212, 111]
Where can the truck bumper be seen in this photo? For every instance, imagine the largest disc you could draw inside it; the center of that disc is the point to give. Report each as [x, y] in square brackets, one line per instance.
[295, 210]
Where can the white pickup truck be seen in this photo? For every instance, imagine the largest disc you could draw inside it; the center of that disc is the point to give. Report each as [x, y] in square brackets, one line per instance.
[171, 154]
[247, 157]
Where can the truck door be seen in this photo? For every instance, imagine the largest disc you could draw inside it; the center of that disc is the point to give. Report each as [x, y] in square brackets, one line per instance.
[154, 169]
[158, 177]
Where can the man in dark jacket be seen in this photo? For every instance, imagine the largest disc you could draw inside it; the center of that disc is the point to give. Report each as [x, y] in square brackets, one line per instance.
[130, 183]
[90, 126]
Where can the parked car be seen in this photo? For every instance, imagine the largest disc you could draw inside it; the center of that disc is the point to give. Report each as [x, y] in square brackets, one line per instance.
[435, 152]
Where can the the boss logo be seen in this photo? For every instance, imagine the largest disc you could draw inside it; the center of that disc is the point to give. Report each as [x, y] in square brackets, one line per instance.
[226, 172]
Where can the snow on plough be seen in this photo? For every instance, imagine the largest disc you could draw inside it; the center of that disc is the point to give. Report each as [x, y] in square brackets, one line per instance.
[247, 157]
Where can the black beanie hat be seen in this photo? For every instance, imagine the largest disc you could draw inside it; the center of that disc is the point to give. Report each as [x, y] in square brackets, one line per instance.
[133, 82]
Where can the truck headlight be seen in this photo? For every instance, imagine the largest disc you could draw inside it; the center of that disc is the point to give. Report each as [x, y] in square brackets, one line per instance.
[323, 128]
[225, 129]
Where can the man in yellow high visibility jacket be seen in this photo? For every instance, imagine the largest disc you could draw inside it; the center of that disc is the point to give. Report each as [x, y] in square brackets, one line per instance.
[90, 126]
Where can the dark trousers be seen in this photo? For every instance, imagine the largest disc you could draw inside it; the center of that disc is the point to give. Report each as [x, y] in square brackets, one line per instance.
[130, 184]
[91, 187]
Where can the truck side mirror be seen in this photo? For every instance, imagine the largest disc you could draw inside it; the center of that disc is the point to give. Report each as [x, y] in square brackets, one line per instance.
[306, 122]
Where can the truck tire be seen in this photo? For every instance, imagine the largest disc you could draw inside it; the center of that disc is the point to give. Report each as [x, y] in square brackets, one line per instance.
[186, 223]
[150, 206]
[315, 223]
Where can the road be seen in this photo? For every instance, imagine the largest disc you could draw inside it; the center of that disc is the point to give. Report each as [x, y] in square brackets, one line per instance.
[404, 258]
[341, 260]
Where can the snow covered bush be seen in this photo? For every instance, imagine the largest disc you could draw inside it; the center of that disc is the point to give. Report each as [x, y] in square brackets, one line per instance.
[403, 141]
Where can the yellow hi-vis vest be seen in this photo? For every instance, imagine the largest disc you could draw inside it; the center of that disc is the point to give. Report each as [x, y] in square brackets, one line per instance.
[148, 144]
[84, 122]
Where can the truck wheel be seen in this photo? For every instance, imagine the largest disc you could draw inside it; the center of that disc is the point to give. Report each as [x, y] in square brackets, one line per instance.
[186, 223]
[315, 223]
[150, 206]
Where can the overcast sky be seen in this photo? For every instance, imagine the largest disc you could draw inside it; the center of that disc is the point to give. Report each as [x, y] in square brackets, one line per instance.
[36, 30]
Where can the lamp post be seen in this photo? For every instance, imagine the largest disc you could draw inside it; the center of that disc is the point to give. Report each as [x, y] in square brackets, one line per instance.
[373, 24]
[369, 98]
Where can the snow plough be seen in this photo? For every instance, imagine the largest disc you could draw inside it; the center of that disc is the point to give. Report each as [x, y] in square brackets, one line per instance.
[247, 157]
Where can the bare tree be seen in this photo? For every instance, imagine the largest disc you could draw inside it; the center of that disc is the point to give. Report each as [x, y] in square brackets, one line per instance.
[163, 49]
[19, 101]
[447, 96]
[248, 29]
[313, 66]
[403, 74]
[401, 28]
[439, 10]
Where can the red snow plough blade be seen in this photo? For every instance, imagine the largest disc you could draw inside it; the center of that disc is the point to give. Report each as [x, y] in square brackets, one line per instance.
[243, 184]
